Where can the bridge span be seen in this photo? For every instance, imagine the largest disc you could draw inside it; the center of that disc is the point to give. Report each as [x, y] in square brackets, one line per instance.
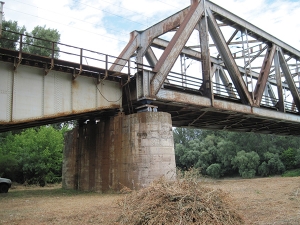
[202, 67]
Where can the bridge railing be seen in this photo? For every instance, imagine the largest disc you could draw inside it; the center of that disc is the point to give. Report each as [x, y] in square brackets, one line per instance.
[58, 51]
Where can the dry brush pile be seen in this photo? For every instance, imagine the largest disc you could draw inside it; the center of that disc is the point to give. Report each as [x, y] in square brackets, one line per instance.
[184, 201]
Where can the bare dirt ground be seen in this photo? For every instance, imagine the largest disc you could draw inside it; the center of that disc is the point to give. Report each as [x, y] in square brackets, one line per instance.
[273, 200]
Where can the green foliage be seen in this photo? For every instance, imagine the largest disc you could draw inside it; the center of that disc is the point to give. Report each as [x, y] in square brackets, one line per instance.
[288, 158]
[246, 162]
[271, 166]
[292, 173]
[38, 153]
[39, 46]
[242, 153]
[187, 155]
[9, 40]
[214, 170]
[297, 158]
[263, 169]
[8, 166]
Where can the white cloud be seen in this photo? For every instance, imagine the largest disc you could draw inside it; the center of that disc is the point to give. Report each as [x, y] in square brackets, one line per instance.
[105, 25]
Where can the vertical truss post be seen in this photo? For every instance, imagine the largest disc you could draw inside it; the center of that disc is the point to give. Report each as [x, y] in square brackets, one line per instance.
[244, 58]
[217, 76]
[139, 59]
[249, 63]
[298, 73]
[280, 103]
[205, 56]
[263, 75]
[266, 93]
[183, 69]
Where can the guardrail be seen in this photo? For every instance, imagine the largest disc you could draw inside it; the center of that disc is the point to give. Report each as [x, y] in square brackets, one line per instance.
[58, 51]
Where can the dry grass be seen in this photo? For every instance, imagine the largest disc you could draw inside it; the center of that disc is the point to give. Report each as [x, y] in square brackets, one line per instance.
[178, 202]
[261, 201]
[273, 200]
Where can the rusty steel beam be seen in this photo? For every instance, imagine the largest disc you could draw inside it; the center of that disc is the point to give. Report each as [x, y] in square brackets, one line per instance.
[263, 75]
[226, 55]
[196, 55]
[185, 99]
[255, 31]
[280, 103]
[288, 76]
[162, 44]
[127, 52]
[169, 56]
[206, 86]
[151, 58]
[165, 25]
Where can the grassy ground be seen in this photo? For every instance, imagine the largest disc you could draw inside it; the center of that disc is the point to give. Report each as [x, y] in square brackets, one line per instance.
[273, 200]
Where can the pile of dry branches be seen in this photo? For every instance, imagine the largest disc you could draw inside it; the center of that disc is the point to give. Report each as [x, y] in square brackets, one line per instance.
[178, 202]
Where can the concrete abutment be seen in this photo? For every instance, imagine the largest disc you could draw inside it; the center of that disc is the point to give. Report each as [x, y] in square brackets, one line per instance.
[125, 150]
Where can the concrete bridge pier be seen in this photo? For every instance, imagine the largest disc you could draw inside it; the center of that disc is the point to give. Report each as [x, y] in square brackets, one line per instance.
[125, 150]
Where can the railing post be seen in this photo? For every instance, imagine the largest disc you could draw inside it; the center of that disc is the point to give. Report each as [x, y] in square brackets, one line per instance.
[18, 61]
[80, 68]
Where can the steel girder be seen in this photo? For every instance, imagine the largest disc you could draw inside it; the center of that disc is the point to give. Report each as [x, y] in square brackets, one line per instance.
[253, 69]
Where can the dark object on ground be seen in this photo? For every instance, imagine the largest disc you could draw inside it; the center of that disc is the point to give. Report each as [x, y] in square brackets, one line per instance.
[5, 184]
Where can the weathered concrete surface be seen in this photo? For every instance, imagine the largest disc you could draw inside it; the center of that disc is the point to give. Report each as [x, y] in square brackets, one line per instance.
[126, 150]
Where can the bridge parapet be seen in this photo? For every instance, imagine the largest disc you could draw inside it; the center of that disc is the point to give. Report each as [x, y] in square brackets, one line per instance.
[43, 89]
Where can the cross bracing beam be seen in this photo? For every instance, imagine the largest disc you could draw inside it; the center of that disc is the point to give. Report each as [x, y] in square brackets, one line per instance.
[253, 31]
[263, 75]
[169, 56]
[254, 50]
[287, 73]
[225, 53]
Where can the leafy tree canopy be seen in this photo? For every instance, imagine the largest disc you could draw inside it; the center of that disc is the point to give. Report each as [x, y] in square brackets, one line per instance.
[39, 41]
[222, 153]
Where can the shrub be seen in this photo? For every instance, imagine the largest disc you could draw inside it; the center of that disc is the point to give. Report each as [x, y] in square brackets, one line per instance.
[214, 170]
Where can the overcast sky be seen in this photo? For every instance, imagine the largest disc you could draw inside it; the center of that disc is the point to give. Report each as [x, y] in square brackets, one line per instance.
[104, 25]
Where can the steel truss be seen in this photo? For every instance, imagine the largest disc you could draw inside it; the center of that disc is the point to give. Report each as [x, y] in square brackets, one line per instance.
[237, 62]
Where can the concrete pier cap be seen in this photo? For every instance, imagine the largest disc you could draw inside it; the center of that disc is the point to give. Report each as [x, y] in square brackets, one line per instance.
[122, 151]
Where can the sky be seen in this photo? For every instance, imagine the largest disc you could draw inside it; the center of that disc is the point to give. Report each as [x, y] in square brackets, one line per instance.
[104, 25]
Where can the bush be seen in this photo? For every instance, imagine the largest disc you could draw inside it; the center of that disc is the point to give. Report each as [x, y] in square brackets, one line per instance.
[288, 157]
[292, 173]
[214, 170]
[271, 166]
[247, 163]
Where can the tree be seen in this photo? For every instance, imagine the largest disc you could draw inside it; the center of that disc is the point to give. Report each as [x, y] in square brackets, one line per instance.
[38, 152]
[247, 163]
[40, 40]
[184, 135]
[288, 157]
[271, 165]
[11, 34]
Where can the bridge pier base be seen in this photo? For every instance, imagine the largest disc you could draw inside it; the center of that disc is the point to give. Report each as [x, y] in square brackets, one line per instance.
[125, 150]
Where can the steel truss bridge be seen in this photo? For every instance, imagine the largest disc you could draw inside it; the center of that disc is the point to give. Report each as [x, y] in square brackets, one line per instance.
[204, 65]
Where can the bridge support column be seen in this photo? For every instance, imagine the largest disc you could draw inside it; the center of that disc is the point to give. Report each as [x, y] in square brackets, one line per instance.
[126, 150]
